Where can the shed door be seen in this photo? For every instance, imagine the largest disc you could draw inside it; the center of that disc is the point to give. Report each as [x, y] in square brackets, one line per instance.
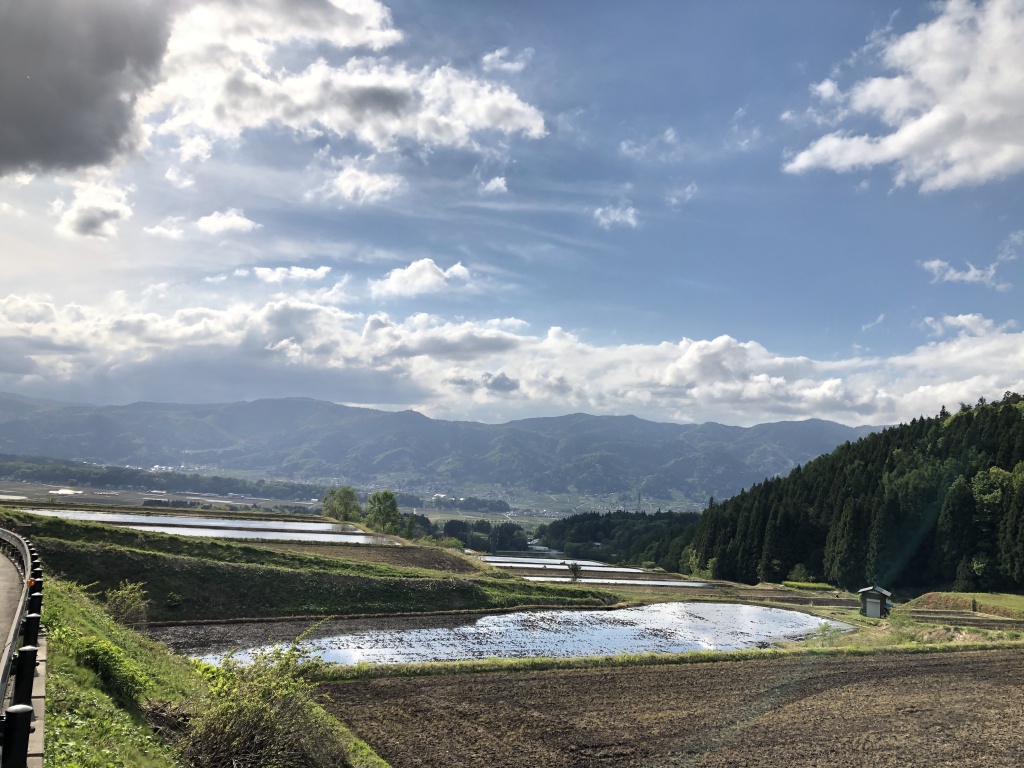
[873, 607]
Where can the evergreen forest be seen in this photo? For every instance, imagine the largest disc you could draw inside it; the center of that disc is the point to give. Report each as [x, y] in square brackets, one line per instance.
[936, 502]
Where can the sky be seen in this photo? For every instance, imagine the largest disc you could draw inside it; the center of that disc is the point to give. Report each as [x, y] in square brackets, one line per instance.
[737, 212]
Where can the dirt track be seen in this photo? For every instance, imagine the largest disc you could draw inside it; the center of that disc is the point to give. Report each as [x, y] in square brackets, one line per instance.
[960, 709]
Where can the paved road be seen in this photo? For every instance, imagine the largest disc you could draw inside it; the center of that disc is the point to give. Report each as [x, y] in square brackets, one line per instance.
[10, 593]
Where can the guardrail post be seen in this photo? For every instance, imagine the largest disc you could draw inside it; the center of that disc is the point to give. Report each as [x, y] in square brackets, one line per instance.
[17, 727]
[30, 629]
[35, 602]
[37, 573]
[24, 674]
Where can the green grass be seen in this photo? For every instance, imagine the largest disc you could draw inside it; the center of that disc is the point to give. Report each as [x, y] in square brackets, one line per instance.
[89, 723]
[209, 549]
[364, 671]
[997, 604]
[809, 586]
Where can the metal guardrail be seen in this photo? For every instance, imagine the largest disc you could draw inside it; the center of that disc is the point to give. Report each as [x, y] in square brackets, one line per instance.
[17, 718]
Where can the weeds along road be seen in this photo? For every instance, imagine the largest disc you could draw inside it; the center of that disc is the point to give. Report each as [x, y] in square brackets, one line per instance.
[881, 711]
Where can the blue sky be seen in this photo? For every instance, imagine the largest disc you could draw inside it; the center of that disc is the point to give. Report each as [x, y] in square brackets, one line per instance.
[739, 212]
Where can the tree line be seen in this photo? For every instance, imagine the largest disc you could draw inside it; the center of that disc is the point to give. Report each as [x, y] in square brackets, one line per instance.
[938, 501]
[640, 538]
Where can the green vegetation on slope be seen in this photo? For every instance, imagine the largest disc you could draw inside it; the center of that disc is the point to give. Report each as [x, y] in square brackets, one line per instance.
[939, 501]
[106, 684]
[203, 579]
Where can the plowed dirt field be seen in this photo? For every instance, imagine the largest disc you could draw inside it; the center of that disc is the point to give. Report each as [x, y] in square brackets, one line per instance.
[898, 710]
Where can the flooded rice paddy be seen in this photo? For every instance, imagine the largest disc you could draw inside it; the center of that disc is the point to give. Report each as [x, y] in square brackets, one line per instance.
[224, 527]
[661, 628]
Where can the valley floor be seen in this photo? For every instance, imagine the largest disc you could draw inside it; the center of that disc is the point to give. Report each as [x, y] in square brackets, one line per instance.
[881, 710]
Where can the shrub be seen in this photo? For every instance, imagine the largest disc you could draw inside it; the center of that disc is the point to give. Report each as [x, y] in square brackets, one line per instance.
[263, 714]
[128, 604]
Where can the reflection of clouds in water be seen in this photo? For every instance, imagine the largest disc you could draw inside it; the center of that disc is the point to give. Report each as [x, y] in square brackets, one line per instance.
[662, 628]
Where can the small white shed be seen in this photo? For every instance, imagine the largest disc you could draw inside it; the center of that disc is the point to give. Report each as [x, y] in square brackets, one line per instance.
[874, 602]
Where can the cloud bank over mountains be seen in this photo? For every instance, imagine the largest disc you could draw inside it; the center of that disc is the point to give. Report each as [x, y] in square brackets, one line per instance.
[230, 199]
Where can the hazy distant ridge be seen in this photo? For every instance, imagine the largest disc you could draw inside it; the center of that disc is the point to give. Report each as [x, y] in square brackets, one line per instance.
[305, 439]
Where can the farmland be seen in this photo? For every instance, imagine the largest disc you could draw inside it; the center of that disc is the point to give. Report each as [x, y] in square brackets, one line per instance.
[802, 710]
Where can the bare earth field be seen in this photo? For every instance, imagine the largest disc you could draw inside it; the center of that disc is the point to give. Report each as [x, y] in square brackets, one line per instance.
[949, 709]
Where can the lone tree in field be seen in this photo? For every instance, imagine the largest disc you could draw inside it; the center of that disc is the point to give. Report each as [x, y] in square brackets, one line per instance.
[382, 512]
[342, 503]
[574, 571]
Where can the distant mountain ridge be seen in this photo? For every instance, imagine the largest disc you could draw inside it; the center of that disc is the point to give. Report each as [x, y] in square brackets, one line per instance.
[317, 441]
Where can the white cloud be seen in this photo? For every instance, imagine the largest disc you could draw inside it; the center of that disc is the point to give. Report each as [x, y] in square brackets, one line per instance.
[494, 186]
[96, 210]
[497, 60]
[953, 104]
[877, 321]
[282, 274]
[461, 368]
[356, 185]
[179, 179]
[9, 210]
[220, 82]
[167, 228]
[666, 147]
[621, 215]
[968, 325]
[944, 272]
[420, 277]
[677, 197]
[231, 220]
[195, 148]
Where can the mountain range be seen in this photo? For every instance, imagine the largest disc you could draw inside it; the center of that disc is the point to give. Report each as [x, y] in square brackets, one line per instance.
[317, 441]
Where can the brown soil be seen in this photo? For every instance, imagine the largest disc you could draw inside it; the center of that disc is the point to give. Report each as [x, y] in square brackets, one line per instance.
[432, 558]
[961, 709]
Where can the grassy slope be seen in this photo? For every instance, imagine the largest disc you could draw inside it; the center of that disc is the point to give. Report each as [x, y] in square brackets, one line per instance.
[88, 726]
[996, 604]
[195, 578]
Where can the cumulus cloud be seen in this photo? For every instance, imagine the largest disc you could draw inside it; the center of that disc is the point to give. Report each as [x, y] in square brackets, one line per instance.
[357, 185]
[282, 274]
[220, 81]
[461, 368]
[952, 105]
[495, 186]
[96, 210]
[622, 215]
[9, 210]
[420, 277]
[498, 60]
[178, 178]
[72, 74]
[231, 220]
[169, 228]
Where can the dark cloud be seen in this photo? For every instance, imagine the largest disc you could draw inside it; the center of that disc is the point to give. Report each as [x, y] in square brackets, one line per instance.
[70, 73]
[500, 383]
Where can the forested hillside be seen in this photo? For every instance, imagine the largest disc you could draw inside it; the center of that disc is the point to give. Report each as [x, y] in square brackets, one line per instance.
[300, 440]
[936, 501]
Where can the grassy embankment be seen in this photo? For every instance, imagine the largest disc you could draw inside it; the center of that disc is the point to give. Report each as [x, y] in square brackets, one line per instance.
[106, 685]
[189, 579]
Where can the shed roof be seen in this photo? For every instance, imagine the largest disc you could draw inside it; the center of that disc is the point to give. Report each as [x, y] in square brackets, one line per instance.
[885, 592]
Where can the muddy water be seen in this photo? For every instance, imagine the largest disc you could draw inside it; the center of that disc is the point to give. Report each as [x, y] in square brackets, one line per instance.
[662, 628]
